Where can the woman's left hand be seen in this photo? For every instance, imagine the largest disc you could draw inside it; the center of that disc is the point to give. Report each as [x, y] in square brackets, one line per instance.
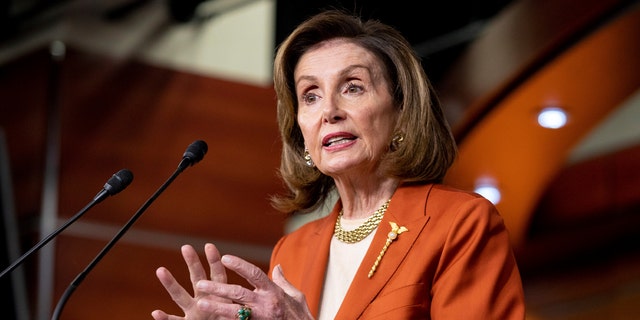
[276, 299]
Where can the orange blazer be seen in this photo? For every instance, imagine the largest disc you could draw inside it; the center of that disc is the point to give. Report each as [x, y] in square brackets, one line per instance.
[454, 262]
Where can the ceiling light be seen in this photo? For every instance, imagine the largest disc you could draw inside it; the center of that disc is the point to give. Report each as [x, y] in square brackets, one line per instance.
[552, 118]
[489, 191]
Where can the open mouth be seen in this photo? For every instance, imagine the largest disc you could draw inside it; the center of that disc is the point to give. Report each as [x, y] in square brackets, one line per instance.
[337, 140]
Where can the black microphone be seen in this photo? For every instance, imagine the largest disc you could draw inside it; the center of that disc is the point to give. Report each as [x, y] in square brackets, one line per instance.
[194, 153]
[115, 184]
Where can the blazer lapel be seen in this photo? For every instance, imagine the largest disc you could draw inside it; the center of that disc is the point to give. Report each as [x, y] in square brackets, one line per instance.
[404, 211]
[316, 263]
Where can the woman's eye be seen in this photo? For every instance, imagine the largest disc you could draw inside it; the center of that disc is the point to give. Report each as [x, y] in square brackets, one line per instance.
[353, 88]
[309, 98]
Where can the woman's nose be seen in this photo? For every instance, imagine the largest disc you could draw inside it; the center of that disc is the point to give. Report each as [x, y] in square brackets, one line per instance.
[332, 111]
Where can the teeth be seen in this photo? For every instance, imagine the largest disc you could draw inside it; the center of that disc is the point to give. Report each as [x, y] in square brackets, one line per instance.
[337, 140]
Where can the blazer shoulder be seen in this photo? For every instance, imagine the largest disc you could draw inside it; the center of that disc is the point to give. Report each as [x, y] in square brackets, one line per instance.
[303, 234]
[443, 190]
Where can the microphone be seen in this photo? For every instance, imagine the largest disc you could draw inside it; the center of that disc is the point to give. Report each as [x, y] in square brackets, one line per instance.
[115, 184]
[194, 153]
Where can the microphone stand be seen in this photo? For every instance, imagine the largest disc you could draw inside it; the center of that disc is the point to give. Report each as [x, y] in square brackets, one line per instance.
[76, 282]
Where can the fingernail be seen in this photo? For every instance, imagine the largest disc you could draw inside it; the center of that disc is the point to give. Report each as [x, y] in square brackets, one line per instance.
[201, 285]
[225, 259]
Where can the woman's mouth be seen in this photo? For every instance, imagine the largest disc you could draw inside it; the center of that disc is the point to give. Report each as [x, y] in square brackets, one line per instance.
[337, 140]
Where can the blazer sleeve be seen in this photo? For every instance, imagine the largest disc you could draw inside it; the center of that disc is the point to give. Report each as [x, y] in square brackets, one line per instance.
[477, 276]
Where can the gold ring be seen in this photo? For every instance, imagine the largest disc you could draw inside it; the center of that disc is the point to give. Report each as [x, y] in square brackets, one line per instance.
[244, 313]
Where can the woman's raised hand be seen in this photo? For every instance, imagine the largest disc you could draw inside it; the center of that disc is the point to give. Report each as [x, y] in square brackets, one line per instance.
[214, 298]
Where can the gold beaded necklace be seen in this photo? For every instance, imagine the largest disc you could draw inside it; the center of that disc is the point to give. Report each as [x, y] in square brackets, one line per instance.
[362, 231]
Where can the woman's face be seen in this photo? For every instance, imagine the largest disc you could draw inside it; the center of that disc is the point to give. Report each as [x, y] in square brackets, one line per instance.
[345, 109]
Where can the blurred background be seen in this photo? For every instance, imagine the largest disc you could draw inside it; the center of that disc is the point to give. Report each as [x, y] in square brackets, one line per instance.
[543, 97]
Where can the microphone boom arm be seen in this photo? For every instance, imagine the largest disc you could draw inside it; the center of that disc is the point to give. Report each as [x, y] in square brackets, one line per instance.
[115, 184]
[76, 282]
[194, 153]
[46, 240]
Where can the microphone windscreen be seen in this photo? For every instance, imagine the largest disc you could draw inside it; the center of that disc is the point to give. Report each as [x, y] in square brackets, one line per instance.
[195, 151]
[118, 181]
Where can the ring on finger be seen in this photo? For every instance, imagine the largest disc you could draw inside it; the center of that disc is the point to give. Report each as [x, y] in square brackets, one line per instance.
[244, 313]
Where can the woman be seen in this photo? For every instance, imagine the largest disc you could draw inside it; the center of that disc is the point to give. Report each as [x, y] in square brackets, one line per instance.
[358, 116]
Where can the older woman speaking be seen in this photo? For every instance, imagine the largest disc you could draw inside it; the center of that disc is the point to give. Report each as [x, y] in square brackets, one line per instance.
[359, 117]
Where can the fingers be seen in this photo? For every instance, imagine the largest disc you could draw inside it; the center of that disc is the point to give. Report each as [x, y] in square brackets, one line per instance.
[300, 307]
[281, 281]
[278, 278]
[191, 258]
[269, 300]
[253, 274]
[275, 299]
[216, 269]
[186, 301]
[222, 310]
[178, 294]
[159, 315]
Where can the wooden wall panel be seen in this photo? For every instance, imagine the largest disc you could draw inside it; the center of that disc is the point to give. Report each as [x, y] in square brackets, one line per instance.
[118, 114]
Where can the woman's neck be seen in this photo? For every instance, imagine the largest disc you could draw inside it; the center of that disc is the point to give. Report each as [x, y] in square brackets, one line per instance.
[361, 200]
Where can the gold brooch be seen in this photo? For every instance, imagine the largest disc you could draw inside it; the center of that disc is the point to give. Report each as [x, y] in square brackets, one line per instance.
[395, 231]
